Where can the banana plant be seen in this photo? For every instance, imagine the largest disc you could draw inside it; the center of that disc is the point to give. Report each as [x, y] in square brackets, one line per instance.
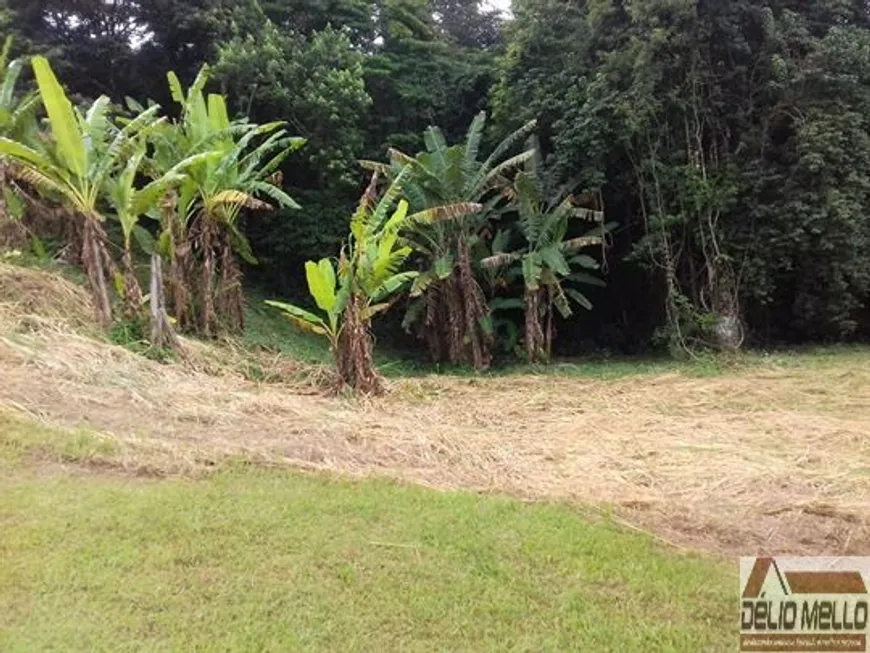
[131, 203]
[239, 170]
[448, 307]
[330, 298]
[82, 152]
[547, 257]
[17, 122]
[17, 112]
[362, 283]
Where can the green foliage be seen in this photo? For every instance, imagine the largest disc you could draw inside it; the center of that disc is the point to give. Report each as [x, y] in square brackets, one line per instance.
[122, 48]
[229, 166]
[85, 148]
[268, 329]
[807, 242]
[367, 275]
[688, 326]
[17, 110]
[17, 122]
[369, 268]
[465, 191]
[418, 77]
[545, 261]
[75, 163]
[548, 253]
[131, 203]
[729, 141]
[205, 170]
[317, 79]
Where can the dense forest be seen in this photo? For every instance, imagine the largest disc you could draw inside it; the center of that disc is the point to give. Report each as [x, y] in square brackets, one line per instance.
[566, 177]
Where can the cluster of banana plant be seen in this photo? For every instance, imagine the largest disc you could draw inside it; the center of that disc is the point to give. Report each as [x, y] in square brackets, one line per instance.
[547, 260]
[230, 166]
[74, 165]
[365, 278]
[455, 197]
[449, 308]
[193, 176]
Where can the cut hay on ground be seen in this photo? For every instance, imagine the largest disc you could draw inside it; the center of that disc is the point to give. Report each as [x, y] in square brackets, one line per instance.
[766, 459]
[39, 306]
[32, 297]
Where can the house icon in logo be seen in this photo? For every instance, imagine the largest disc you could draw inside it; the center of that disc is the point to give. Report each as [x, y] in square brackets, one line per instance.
[765, 581]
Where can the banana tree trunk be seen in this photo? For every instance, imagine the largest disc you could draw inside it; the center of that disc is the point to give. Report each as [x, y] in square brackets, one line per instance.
[180, 284]
[354, 358]
[550, 332]
[208, 319]
[97, 264]
[180, 267]
[132, 289]
[475, 310]
[230, 302]
[455, 311]
[454, 321]
[429, 329]
[534, 332]
[162, 335]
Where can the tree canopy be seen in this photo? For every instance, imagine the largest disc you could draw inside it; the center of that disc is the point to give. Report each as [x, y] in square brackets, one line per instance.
[726, 144]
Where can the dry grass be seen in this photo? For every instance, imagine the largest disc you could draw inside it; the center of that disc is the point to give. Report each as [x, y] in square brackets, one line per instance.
[36, 297]
[763, 459]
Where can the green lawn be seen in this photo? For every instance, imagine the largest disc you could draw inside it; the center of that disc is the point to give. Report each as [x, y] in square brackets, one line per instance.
[252, 559]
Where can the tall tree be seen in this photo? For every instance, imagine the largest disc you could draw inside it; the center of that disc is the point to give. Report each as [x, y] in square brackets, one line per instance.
[468, 23]
[315, 83]
[716, 132]
[418, 76]
[308, 16]
[91, 41]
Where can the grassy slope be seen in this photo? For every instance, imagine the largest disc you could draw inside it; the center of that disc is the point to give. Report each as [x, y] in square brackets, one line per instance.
[265, 327]
[254, 559]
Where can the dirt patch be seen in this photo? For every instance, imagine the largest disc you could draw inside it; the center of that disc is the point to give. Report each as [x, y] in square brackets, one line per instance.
[761, 460]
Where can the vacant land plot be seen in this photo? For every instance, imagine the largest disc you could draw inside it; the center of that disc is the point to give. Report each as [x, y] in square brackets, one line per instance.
[132, 517]
[772, 456]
